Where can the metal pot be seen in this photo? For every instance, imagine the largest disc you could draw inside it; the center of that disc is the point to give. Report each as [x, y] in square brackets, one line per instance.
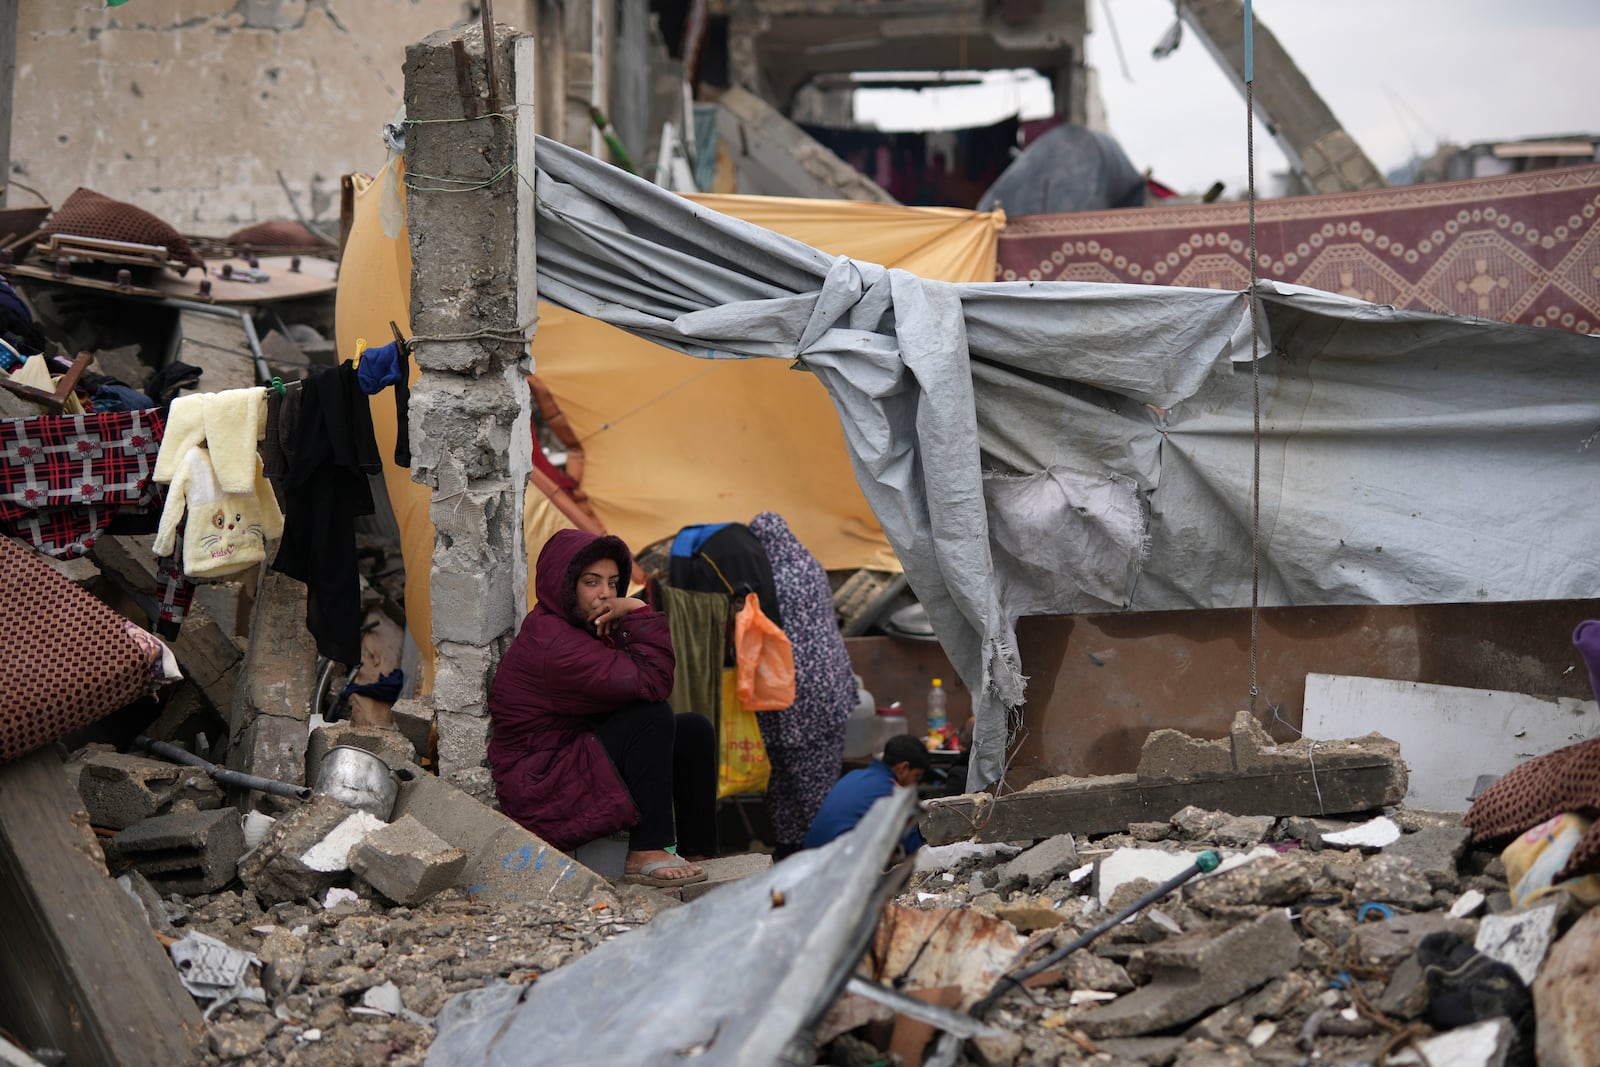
[358, 779]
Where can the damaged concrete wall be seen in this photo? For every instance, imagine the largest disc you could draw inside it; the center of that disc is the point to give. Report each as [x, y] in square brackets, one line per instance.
[192, 108]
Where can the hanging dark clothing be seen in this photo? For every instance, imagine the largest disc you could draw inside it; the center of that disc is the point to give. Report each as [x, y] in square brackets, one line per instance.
[333, 454]
[698, 622]
[729, 561]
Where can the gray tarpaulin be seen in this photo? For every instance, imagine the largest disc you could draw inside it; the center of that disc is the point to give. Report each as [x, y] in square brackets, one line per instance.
[1069, 447]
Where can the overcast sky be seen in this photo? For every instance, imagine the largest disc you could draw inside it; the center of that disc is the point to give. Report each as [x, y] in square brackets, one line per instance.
[1401, 75]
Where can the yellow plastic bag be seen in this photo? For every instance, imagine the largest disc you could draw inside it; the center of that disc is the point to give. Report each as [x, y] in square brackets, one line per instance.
[742, 765]
[765, 660]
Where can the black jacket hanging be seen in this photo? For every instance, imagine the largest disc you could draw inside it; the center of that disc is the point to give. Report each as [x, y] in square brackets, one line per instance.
[326, 488]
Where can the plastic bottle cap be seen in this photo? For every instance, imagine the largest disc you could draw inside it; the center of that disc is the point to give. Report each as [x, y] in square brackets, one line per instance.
[938, 682]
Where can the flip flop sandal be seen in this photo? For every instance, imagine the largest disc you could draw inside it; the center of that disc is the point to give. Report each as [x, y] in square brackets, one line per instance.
[646, 875]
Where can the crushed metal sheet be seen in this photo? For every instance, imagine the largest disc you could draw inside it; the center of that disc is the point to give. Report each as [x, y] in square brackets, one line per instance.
[214, 970]
[683, 985]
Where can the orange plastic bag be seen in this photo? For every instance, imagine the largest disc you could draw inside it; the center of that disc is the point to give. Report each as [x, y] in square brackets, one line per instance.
[742, 764]
[765, 660]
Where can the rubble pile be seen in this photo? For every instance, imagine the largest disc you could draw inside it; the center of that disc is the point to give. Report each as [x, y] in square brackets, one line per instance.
[1314, 941]
[359, 983]
[1305, 946]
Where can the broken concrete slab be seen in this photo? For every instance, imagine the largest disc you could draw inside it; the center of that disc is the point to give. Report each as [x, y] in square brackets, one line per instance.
[1450, 735]
[267, 718]
[1268, 881]
[407, 862]
[1435, 852]
[389, 745]
[184, 851]
[1519, 939]
[1565, 995]
[1383, 945]
[504, 860]
[1269, 779]
[1192, 975]
[120, 789]
[1392, 880]
[1244, 831]
[272, 746]
[1130, 864]
[275, 870]
[1374, 833]
[1039, 865]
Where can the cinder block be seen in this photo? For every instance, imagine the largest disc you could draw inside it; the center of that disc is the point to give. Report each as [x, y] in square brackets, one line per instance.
[274, 869]
[119, 789]
[407, 862]
[186, 851]
[504, 860]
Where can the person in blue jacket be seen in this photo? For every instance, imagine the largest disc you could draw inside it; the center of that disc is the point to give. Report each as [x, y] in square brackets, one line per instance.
[904, 762]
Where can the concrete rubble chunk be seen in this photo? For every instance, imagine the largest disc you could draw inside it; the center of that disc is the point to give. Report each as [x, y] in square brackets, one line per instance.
[1435, 852]
[121, 789]
[1519, 939]
[1244, 831]
[1192, 975]
[1246, 774]
[1040, 865]
[407, 862]
[1268, 881]
[274, 869]
[504, 860]
[1375, 833]
[1406, 995]
[184, 851]
[1389, 879]
[1383, 945]
[1085, 970]
[1565, 995]
[283, 962]
[389, 745]
[1484, 1044]
[1130, 864]
[1197, 824]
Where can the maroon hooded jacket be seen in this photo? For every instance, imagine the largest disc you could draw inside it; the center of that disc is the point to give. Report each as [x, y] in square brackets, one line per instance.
[550, 771]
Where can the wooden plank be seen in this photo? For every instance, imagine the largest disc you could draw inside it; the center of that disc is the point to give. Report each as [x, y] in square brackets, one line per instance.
[80, 968]
[1109, 804]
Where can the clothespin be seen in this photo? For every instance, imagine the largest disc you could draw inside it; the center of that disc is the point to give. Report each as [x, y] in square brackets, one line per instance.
[400, 338]
[277, 384]
[361, 346]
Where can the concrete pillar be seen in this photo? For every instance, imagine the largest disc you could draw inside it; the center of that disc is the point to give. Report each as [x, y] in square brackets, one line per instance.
[470, 209]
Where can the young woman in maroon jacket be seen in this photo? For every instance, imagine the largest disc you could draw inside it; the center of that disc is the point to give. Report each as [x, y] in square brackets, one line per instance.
[583, 742]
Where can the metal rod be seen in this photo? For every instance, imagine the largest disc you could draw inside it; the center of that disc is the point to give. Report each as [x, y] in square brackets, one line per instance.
[263, 372]
[1204, 863]
[225, 775]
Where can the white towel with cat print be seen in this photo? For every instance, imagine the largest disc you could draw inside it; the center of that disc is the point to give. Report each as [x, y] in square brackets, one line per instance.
[227, 532]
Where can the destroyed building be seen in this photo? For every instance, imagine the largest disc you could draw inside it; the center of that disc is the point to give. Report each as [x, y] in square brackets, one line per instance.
[273, 871]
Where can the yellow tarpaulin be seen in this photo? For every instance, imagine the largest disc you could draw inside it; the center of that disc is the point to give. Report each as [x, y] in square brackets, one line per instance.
[672, 440]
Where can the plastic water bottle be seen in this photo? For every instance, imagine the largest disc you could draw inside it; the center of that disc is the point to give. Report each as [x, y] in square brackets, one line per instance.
[936, 706]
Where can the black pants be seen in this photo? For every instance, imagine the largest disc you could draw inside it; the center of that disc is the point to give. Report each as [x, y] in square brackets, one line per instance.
[669, 764]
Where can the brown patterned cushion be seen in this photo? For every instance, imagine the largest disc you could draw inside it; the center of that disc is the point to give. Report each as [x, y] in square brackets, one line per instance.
[68, 659]
[281, 234]
[88, 214]
[1566, 780]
